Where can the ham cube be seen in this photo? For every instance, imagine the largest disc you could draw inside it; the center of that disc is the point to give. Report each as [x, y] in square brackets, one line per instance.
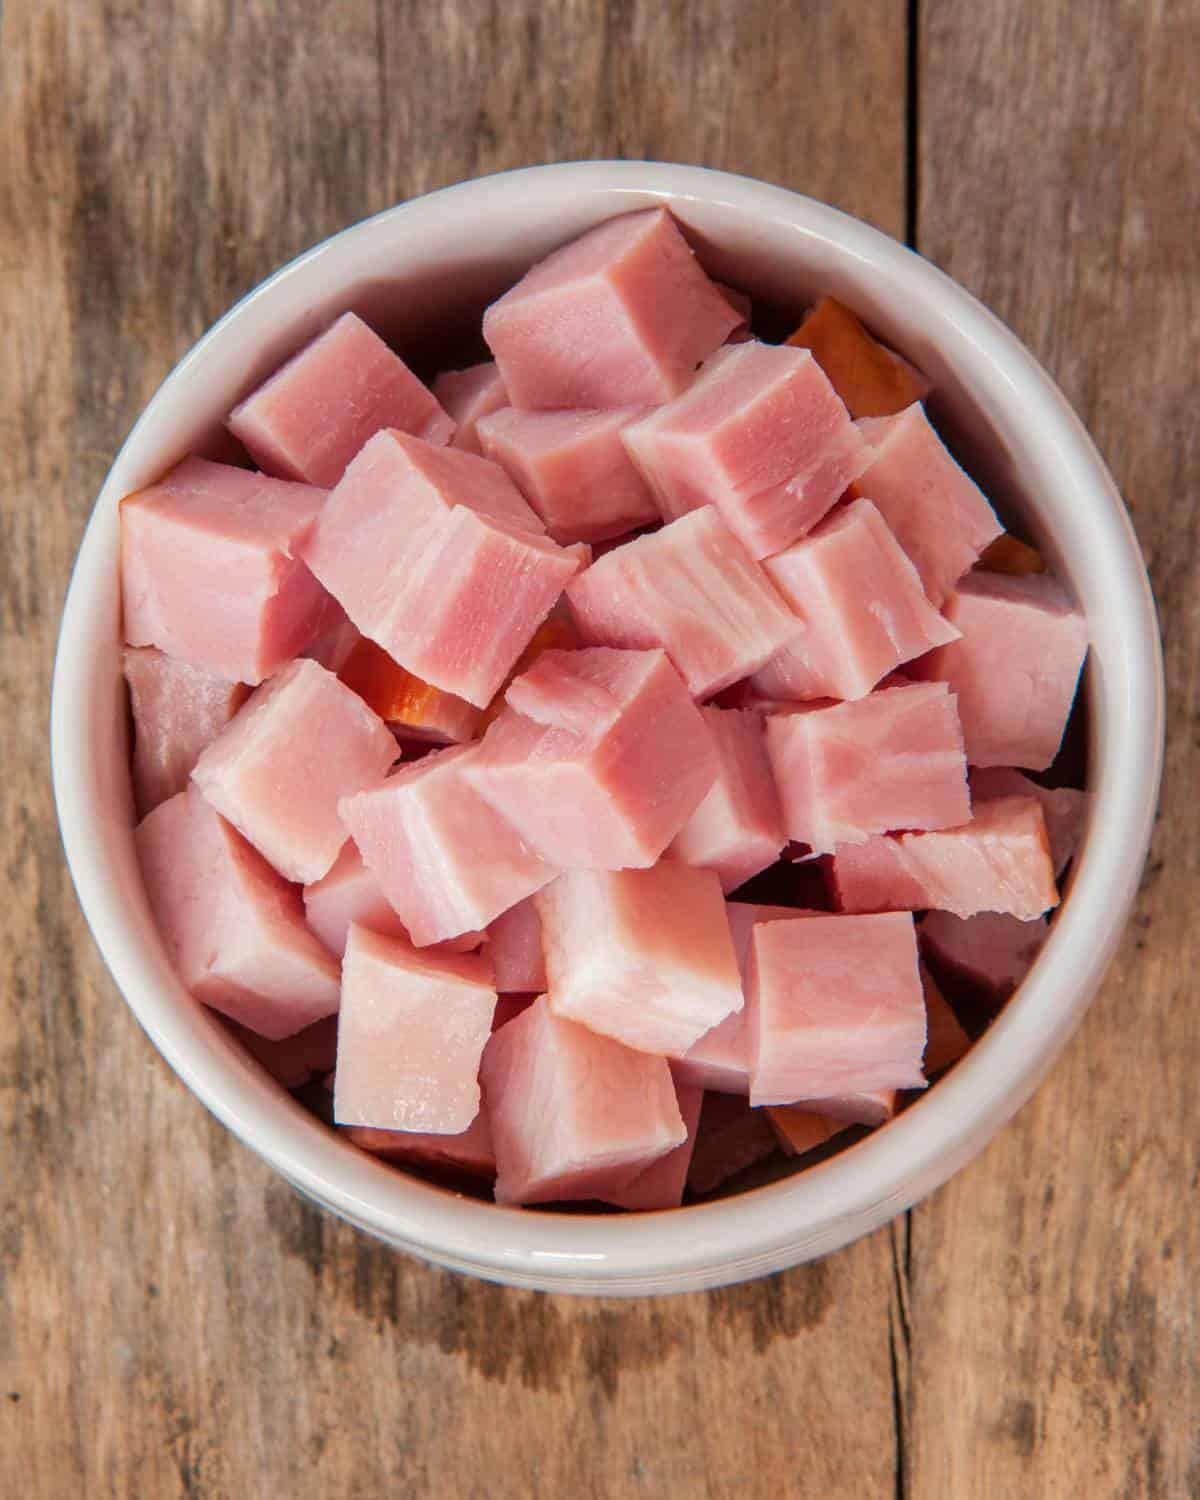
[336, 637]
[692, 589]
[348, 894]
[730, 1138]
[232, 927]
[599, 760]
[720, 1060]
[630, 295]
[278, 770]
[661, 1184]
[835, 1007]
[443, 859]
[412, 709]
[314, 414]
[1063, 807]
[435, 556]
[861, 605]
[760, 434]
[872, 1107]
[466, 396]
[514, 948]
[991, 952]
[411, 1032]
[738, 828]
[469, 1152]
[999, 861]
[870, 378]
[573, 469]
[1009, 555]
[946, 1041]
[211, 571]
[178, 709]
[935, 509]
[742, 305]
[891, 760]
[295, 1060]
[800, 1129]
[643, 956]
[571, 1111]
[1015, 669]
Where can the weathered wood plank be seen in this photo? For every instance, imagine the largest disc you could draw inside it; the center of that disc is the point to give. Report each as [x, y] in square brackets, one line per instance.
[173, 1321]
[1054, 1282]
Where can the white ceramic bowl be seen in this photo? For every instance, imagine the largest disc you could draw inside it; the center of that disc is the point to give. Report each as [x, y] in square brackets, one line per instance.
[430, 265]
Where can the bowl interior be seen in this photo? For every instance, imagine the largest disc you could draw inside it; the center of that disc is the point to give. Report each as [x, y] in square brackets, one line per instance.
[420, 275]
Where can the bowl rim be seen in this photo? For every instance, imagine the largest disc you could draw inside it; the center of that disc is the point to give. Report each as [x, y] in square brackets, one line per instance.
[826, 1205]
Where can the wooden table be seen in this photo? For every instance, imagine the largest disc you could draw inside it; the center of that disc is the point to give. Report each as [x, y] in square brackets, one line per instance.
[174, 1321]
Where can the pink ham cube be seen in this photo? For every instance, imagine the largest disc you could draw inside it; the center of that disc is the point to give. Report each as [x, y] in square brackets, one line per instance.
[1016, 668]
[692, 589]
[211, 571]
[1063, 807]
[435, 556]
[719, 1060]
[861, 605]
[849, 770]
[730, 1138]
[295, 1060]
[836, 1007]
[661, 1184]
[742, 305]
[348, 893]
[935, 509]
[232, 927]
[762, 435]
[643, 956]
[572, 1112]
[573, 469]
[946, 1041]
[631, 297]
[314, 414]
[469, 1152]
[177, 710]
[466, 396]
[999, 861]
[872, 1107]
[302, 742]
[991, 951]
[514, 949]
[411, 1031]
[599, 759]
[738, 829]
[444, 860]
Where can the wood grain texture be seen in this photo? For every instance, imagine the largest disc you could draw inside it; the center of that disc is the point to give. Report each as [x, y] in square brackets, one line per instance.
[1055, 1282]
[174, 1321]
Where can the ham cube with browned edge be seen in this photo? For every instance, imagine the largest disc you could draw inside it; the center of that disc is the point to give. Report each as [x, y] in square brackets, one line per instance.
[302, 742]
[870, 378]
[469, 1153]
[892, 760]
[573, 1112]
[435, 556]
[643, 956]
[991, 952]
[836, 1007]
[513, 947]
[934, 508]
[599, 760]
[211, 570]
[1015, 669]
[413, 710]
[945, 1039]
[232, 926]
[692, 589]
[861, 606]
[178, 709]
[444, 860]
[314, 414]
[1063, 807]
[999, 861]
[621, 316]
[762, 435]
[573, 469]
[738, 828]
[661, 1184]
[411, 1031]
[466, 396]
[800, 1129]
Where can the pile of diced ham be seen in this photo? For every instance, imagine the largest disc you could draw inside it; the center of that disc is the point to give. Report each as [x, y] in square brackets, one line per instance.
[463, 719]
